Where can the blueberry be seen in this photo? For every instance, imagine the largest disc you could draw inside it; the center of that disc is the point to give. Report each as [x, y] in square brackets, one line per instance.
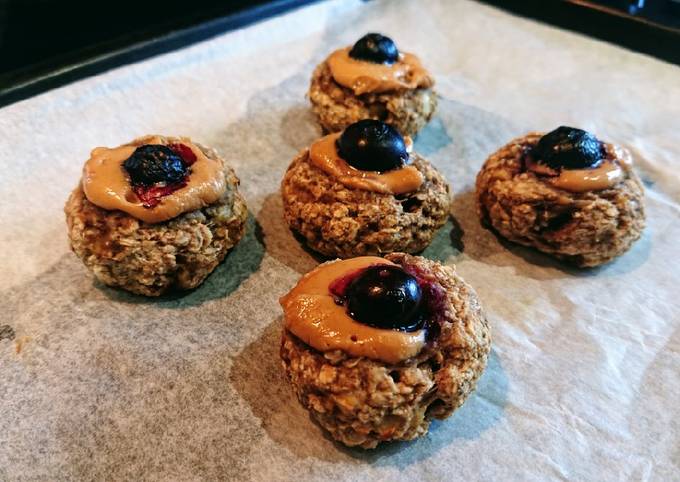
[151, 164]
[371, 145]
[375, 48]
[568, 148]
[385, 296]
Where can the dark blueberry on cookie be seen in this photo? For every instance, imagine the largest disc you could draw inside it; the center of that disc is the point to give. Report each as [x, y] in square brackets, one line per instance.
[372, 145]
[568, 148]
[385, 297]
[375, 48]
[152, 163]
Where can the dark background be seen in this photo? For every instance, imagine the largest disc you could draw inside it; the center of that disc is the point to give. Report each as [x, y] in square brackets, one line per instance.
[35, 31]
[46, 43]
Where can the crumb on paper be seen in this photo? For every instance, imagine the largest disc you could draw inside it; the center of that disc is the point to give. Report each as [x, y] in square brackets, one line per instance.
[6, 332]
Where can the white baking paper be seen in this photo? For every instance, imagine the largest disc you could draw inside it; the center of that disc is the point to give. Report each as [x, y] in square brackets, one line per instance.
[583, 382]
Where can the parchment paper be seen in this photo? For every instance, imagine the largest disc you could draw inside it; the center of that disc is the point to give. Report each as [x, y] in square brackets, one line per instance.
[583, 382]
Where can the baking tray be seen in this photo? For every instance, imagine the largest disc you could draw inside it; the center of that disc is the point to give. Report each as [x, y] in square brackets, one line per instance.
[165, 37]
[658, 36]
[625, 23]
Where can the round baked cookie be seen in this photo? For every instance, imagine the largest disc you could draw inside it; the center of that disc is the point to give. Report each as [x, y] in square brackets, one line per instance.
[564, 193]
[406, 105]
[150, 258]
[338, 219]
[377, 383]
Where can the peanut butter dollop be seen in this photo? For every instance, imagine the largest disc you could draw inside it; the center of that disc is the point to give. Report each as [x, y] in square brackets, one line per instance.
[311, 314]
[107, 185]
[604, 176]
[324, 155]
[367, 77]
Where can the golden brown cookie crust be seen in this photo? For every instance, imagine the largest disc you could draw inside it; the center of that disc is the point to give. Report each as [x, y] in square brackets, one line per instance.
[150, 259]
[341, 222]
[337, 107]
[585, 229]
[363, 402]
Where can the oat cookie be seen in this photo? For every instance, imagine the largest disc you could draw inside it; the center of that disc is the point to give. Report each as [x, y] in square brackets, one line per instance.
[564, 193]
[344, 89]
[151, 257]
[342, 218]
[367, 388]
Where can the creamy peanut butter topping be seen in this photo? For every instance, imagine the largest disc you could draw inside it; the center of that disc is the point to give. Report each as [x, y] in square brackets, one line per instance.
[311, 314]
[107, 185]
[607, 174]
[324, 155]
[367, 77]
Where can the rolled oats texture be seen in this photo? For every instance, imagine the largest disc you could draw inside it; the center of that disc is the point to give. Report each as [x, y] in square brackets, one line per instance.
[585, 229]
[338, 221]
[336, 106]
[364, 402]
[150, 259]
